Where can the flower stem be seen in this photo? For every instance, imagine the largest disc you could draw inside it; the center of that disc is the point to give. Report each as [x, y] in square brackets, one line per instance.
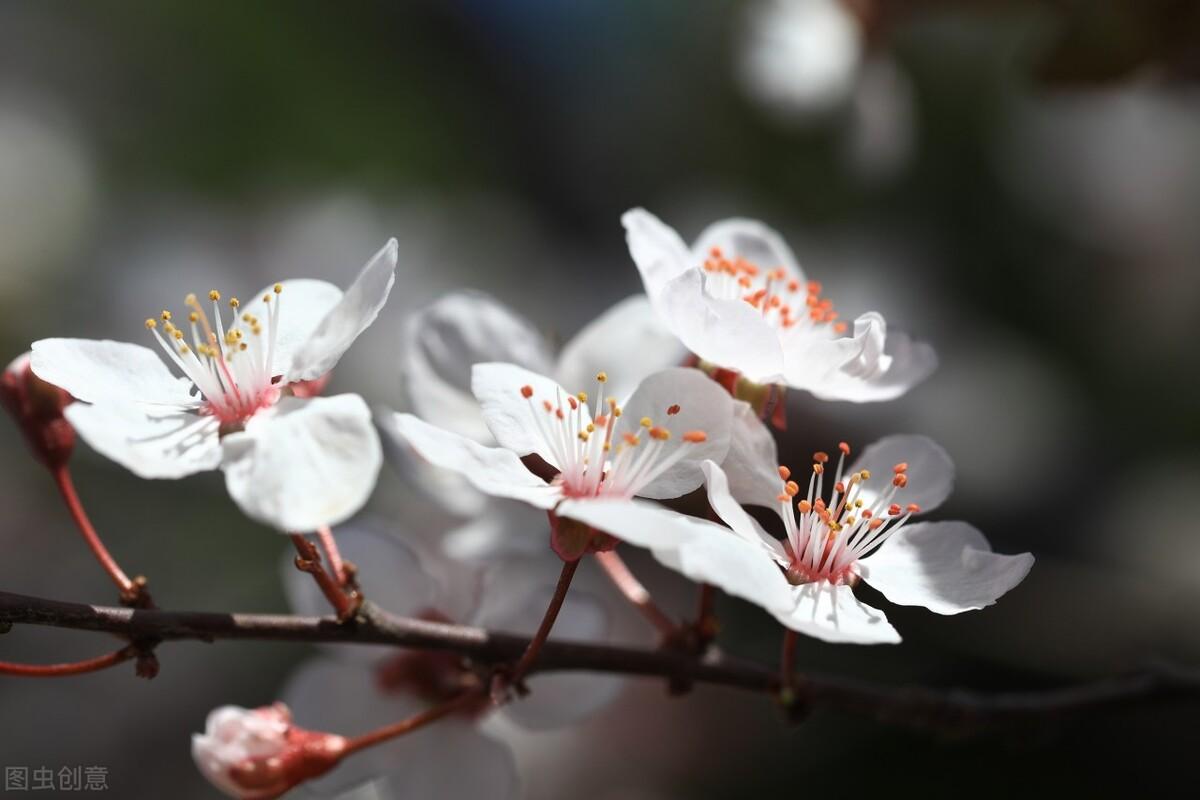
[132, 592]
[787, 664]
[70, 668]
[543, 632]
[329, 545]
[410, 724]
[614, 567]
[706, 617]
[308, 559]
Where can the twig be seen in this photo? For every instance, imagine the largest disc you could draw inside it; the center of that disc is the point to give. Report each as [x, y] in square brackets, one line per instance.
[410, 724]
[529, 657]
[308, 559]
[939, 709]
[69, 668]
[633, 590]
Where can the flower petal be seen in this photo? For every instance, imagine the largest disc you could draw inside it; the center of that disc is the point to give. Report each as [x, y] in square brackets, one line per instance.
[492, 470]
[930, 470]
[833, 614]
[947, 567]
[731, 512]
[443, 342]
[637, 522]
[743, 569]
[657, 250]
[878, 368]
[508, 413]
[748, 239]
[752, 465]
[702, 406]
[355, 311]
[149, 441]
[99, 370]
[305, 463]
[303, 304]
[628, 341]
[514, 599]
[729, 333]
[502, 530]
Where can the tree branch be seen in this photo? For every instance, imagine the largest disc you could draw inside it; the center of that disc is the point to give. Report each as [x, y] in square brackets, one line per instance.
[947, 710]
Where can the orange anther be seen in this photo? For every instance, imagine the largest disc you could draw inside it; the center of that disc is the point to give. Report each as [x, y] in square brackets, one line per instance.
[662, 434]
[901, 467]
[527, 392]
[840, 327]
[814, 287]
[784, 473]
[695, 437]
[844, 447]
[792, 488]
[894, 510]
[804, 506]
[820, 456]
[715, 252]
[548, 406]
[839, 487]
[900, 481]
[817, 468]
[913, 508]
[630, 439]
[875, 524]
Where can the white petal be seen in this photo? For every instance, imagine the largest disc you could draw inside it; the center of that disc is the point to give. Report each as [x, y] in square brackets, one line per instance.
[446, 488]
[304, 463]
[98, 370]
[389, 572]
[492, 470]
[459, 761]
[303, 304]
[656, 248]
[637, 522]
[930, 470]
[508, 413]
[752, 465]
[748, 239]
[731, 512]
[628, 341]
[947, 567]
[443, 342]
[150, 441]
[880, 368]
[514, 599]
[729, 333]
[742, 568]
[354, 312]
[703, 406]
[504, 529]
[834, 614]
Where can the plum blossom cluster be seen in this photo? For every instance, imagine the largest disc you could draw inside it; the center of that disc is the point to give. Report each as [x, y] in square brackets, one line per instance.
[553, 462]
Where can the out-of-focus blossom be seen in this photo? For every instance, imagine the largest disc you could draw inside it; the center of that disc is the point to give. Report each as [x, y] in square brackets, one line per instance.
[46, 198]
[800, 57]
[860, 532]
[256, 754]
[620, 452]
[738, 299]
[354, 691]
[276, 449]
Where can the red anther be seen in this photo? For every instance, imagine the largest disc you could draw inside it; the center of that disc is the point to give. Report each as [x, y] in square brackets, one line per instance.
[600, 421]
[814, 287]
[695, 437]
[673, 410]
[572, 402]
[839, 487]
[819, 505]
[792, 488]
[901, 467]
[793, 285]
[894, 510]
[875, 524]
[913, 508]
[804, 506]
[546, 404]
[866, 514]
[630, 439]
[900, 481]
[715, 252]
[820, 456]
[527, 391]
[775, 301]
[777, 274]
[558, 412]
[844, 447]
[662, 434]
[784, 473]
[840, 327]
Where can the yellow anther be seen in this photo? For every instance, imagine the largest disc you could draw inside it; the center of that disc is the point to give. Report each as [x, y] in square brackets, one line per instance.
[214, 295]
[183, 348]
[266, 298]
[849, 521]
[607, 446]
[193, 317]
[278, 288]
[166, 314]
[178, 334]
[601, 376]
[866, 474]
[582, 396]
[190, 300]
[646, 422]
[612, 403]
[858, 503]
[234, 302]
[151, 324]
[583, 436]
[616, 412]
[591, 428]
[243, 346]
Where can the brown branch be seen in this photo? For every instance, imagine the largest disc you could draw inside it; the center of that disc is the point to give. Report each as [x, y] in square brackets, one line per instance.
[952, 710]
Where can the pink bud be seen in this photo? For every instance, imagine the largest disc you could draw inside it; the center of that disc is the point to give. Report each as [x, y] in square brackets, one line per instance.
[37, 407]
[256, 754]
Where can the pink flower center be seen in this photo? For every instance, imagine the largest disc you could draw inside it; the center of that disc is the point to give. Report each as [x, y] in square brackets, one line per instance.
[826, 538]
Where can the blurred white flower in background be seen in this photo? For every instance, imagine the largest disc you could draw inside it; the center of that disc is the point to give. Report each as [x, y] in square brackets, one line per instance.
[800, 57]
[47, 198]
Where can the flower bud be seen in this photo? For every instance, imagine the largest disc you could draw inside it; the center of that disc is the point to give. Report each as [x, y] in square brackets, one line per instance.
[254, 754]
[37, 407]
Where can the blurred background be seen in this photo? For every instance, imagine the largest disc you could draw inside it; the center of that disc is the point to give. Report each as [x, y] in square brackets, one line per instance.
[1016, 183]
